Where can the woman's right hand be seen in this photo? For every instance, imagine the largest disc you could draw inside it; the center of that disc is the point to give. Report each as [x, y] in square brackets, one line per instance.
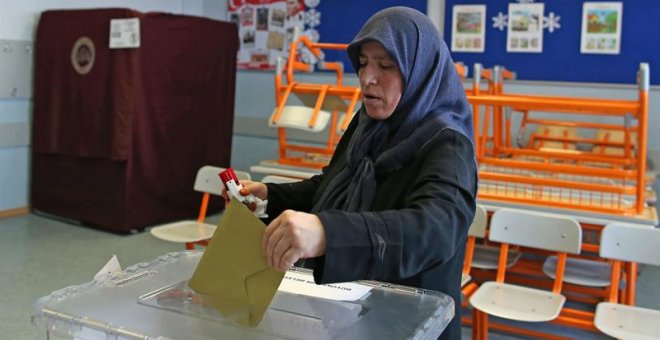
[257, 189]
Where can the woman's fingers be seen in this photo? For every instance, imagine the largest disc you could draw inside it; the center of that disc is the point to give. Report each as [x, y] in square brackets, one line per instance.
[257, 189]
[283, 254]
[249, 188]
[225, 195]
[272, 237]
[252, 206]
[270, 229]
[279, 249]
[292, 236]
[288, 259]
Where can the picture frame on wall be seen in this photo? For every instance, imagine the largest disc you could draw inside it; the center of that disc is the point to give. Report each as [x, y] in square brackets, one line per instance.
[601, 28]
[468, 28]
[525, 28]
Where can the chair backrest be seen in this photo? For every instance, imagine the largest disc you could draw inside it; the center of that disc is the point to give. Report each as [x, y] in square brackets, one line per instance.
[479, 224]
[278, 179]
[208, 181]
[631, 243]
[243, 175]
[477, 230]
[536, 230]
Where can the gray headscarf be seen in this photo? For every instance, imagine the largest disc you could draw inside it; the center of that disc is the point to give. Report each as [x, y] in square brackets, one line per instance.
[433, 99]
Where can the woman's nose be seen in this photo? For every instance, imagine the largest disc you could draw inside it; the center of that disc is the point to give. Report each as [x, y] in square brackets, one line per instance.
[368, 76]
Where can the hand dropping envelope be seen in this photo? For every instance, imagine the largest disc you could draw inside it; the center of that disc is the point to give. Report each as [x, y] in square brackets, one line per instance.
[233, 274]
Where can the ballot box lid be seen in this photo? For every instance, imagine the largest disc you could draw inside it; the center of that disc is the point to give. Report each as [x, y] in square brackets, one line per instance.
[152, 301]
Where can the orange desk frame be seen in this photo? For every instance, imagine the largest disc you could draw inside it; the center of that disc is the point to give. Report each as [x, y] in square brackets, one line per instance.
[512, 168]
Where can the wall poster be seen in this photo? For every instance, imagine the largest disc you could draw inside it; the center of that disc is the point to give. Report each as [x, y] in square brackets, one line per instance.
[525, 28]
[468, 32]
[601, 27]
[263, 29]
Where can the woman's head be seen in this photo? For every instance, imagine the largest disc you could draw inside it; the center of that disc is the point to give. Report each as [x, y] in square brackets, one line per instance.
[380, 80]
[408, 40]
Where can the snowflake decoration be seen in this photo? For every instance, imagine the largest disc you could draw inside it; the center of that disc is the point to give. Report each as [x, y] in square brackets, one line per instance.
[312, 34]
[312, 3]
[308, 57]
[500, 21]
[312, 18]
[551, 22]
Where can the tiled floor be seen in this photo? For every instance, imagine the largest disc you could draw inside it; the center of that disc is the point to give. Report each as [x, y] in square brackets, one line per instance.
[40, 255]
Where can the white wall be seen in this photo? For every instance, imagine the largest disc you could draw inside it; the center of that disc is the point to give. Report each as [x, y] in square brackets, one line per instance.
[18, 22]
[435, 9]
[18, 18]
[215, 9]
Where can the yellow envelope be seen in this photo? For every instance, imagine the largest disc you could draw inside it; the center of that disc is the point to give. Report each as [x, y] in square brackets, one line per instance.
[233, 274]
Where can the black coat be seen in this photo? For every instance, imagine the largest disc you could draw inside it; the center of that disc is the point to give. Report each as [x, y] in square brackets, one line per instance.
[416, 231]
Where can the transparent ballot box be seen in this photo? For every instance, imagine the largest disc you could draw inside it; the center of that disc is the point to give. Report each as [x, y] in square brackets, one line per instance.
[153, 301]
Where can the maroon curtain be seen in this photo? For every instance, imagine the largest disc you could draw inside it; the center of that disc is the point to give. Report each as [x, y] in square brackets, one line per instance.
[119, 134]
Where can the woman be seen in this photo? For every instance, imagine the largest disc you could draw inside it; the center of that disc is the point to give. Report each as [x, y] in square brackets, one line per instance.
[397, 199]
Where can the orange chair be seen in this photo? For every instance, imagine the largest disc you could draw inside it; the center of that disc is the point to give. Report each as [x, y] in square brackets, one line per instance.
[323, 104]
[527, 229]
[621, 242]
[197, 232]
[477, 230]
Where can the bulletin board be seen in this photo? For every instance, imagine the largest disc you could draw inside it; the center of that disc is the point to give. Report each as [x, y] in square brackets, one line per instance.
[561, 59]
[263, 28]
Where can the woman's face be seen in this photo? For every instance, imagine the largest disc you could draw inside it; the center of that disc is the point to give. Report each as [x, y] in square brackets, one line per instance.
[380, 81]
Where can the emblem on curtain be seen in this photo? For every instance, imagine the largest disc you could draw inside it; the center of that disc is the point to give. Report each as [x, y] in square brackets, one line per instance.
[82, 55]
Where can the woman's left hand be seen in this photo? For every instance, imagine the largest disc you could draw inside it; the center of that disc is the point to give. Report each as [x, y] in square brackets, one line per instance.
[292, 236]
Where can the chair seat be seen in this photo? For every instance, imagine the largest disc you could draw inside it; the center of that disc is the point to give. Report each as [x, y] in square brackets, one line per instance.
[517, 302]
[487, 257]
[184, 231]
[465, 278]
[627, 322]
[298, 117]
[583, 272]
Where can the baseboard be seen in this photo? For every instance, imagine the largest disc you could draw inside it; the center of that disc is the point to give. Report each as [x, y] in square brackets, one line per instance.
[14, 212]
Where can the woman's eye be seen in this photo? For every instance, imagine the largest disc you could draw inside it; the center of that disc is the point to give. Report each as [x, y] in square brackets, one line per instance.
[386, 67]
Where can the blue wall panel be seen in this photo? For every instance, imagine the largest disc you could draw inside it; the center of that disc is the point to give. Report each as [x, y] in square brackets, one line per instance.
[342, 19]
[561, 59]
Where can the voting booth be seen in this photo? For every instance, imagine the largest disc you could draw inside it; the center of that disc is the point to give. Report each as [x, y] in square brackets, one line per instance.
[152, 301]
[119, 133]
